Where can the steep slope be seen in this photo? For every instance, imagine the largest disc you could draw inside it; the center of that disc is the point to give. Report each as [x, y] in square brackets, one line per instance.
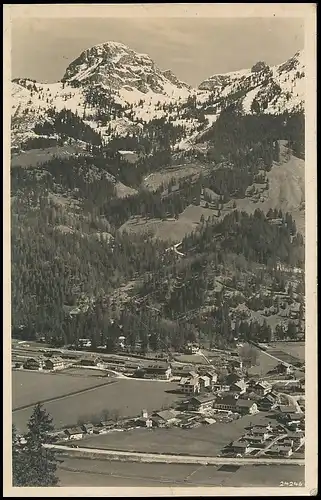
[263, 88]
[116, 66]
[116, 91]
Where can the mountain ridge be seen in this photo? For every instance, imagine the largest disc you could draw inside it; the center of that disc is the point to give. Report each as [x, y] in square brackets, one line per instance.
[130, 90]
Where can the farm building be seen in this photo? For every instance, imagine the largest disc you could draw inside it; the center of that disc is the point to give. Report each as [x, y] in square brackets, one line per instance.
[284, 369]
[90, 361]
[74, 433]
[190, 385]
[202, 402]
[236, 364]
[296, 437]
[262, 387]
[54, 363]
[191, 349]
[240, 447]
[204, 382]
[164, 418]
[129, 156]
[240, 387]
[293, 420]
[233, 378]
[280, 450]
[35, 363]
[88, 428]
[162, 372]
[246, 406]
[268, 402]
[211, 374]
[84, 342]
[227, 402]
[287, 409]
[256, 438]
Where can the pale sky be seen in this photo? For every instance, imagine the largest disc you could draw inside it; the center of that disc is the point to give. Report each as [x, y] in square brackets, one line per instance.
[193, 48]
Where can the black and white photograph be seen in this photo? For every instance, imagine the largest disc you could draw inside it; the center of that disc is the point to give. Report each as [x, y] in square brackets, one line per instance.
[161, 187]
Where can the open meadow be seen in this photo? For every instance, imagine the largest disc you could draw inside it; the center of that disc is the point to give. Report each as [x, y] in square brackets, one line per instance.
[30, 387]
[88, 472]
[126, 397]
[205, 440]
[287, 349]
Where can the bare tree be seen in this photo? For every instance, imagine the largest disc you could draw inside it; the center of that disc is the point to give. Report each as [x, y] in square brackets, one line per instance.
[249, 355]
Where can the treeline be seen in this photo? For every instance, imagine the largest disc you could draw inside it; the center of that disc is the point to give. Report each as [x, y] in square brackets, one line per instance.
[233, 131]
[152, 204]
[67, 124]
[253, 236]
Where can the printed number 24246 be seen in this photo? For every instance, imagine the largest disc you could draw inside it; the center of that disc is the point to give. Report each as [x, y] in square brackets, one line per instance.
[291, 483]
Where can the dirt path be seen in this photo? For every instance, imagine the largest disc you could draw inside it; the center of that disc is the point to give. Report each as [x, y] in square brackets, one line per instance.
[65, 396]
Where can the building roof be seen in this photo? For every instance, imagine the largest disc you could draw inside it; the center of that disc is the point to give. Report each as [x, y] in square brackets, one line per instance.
[264, 384]
[253, 438]
[295, 416]
[56, 359]
[204, 377]
[240, 444]
[156, 368]
[203, 398]
[259, 430]
[191, 381]
[297, 434]
[287, 409]
[232, 378]
[245, 403]
[74, 430]
[240, 384]
[166, 414]
[89, 425]
[227, 400]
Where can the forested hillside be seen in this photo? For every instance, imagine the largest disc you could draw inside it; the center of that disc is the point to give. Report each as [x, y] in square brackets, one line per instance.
[236, 273]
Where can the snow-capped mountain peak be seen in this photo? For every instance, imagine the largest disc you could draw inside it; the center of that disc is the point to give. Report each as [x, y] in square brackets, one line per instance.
[263, 88]
[117, 66]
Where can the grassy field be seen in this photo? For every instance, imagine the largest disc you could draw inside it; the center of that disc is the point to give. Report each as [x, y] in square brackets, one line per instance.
[265, 365]
[30, 387]
[87, 472]
[127, 397]
[204, 440]
[154, 180]
[33, 157]
[286, 190]
[294, 349]
[169, 230]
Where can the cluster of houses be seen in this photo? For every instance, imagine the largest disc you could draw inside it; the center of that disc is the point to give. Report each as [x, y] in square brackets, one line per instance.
[271, 440]
[42, 363]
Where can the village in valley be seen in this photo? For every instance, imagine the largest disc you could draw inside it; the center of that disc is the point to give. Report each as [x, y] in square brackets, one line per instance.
[263, 414]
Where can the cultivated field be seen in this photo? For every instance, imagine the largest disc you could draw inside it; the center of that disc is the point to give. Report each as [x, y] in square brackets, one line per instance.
[205, 440]
[87, 472]
[30, 387]
[293, 349]
[127, 397]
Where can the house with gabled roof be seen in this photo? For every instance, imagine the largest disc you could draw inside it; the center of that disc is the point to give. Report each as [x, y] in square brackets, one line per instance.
[246, 406]
[240, 387]
[190, 385]
[74, 433]
[262, 387]
[201, 402]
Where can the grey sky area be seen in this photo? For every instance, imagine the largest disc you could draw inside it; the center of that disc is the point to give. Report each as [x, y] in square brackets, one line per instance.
[193, 48]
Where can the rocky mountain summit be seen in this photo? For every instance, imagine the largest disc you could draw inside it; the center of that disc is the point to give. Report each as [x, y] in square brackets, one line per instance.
[113, 89]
